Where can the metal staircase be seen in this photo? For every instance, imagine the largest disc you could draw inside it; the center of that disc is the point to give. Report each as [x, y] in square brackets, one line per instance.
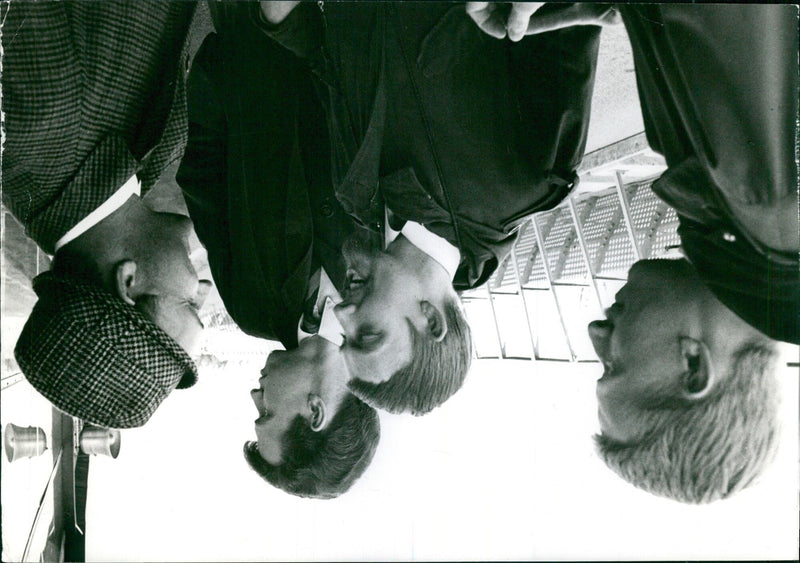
[568, 262]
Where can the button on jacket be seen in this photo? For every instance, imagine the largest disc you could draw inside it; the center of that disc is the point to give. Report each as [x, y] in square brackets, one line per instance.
[719, 91]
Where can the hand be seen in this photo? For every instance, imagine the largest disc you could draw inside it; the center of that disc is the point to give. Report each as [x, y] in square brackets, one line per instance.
[276, 12]
[526, 18]
[558, 16]
[496, 20]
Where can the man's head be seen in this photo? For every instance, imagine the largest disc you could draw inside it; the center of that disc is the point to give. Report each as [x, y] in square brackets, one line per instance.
[315, 439]
[687, 403]
[142, 257]
[109, 338]
[407, 344]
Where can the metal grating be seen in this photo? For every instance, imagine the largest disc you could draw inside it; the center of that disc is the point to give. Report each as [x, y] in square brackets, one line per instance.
[537, 304]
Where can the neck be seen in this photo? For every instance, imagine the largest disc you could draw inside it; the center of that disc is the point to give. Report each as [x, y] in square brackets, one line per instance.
[332, 374]
[433, 274]
[114, 238]
[411, 256]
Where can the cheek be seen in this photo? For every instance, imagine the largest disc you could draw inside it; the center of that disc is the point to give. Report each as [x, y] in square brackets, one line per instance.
[617, 414]
[268, 446]
[359, 367]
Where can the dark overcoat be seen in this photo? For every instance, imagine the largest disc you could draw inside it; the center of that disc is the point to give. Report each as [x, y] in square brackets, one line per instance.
[256, 176]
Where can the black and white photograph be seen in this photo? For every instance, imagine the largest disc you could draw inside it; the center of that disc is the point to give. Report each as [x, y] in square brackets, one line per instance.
[399, 281]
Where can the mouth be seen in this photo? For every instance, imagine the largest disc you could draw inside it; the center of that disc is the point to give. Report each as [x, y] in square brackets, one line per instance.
[354, 283]
[606, 325]
[258, 400]
[354, 279]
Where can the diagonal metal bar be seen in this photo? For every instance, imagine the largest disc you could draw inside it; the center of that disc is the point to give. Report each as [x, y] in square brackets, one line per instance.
[500, 346]
[623, 200]
[652, 228]
[41, 505]
[550, 220]
[584, 251]
[534, 343]
[499, 275]
[605, 239]
[540, 242]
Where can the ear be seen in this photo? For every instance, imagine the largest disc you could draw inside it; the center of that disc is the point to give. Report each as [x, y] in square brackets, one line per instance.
[698, 370]
[317, 413]
[437, 326]
[125, 281]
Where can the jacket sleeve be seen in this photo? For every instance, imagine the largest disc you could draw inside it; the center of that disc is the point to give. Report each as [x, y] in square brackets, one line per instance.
[202, 174]
[552, 78]
[720, 82]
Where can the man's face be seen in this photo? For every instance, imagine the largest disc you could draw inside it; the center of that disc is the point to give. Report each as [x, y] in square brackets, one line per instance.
[382, 296]
[178, 294]
[305, 381]
[283, 391]
[640, 341]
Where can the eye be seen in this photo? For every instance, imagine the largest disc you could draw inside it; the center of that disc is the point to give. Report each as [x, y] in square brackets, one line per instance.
[368, 340]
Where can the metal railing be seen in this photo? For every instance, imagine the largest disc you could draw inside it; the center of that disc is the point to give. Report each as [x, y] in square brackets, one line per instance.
[575, 257]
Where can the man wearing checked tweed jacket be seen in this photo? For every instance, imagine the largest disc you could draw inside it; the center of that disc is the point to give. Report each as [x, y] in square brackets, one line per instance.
[95, 110]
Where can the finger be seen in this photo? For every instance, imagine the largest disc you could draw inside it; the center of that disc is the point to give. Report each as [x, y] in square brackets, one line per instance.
[558, 17]
[473, 7]
[487, 18]
[519, 17]
[611, 16]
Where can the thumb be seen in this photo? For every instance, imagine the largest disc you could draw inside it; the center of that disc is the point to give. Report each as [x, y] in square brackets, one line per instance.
[519, 17]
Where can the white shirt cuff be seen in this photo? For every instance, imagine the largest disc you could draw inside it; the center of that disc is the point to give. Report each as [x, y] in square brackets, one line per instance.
[109, 206]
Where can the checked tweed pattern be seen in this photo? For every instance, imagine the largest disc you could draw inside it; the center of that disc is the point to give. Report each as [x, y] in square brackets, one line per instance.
[93, 92]
[96, 357]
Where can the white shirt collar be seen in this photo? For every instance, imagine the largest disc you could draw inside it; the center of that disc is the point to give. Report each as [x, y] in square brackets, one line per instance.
[109, 206]
[438, 248]
[329, 327]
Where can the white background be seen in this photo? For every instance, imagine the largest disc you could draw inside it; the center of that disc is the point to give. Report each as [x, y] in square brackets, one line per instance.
[504, 470]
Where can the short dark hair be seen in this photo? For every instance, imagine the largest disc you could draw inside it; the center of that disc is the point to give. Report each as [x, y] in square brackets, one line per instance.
[698, 452]
[322, 464]
[437, 370]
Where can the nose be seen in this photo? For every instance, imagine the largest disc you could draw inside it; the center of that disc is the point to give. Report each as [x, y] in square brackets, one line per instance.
[203, 288]
[345, 314]
[599, 334]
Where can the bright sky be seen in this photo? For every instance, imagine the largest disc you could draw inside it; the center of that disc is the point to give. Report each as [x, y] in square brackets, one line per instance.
[505, 470]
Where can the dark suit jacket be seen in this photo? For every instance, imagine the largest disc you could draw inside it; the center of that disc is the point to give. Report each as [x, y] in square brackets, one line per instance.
[93, 92]
[256, 176]
[719, 93]
[449, 127]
